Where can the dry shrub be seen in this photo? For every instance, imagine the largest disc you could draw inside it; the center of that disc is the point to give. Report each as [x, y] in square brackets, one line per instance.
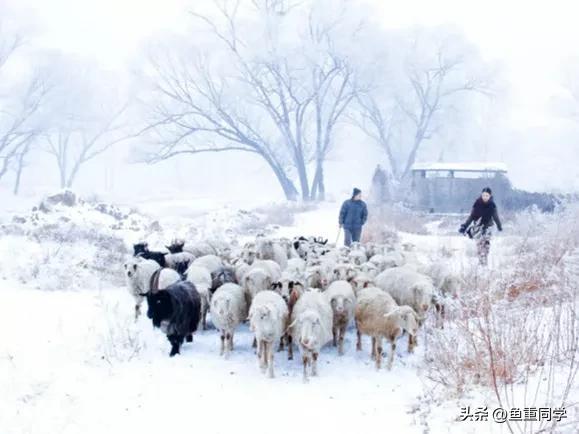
[119, 339]
[280, 214]
[513, 327]
[385, 221]
[376, 231]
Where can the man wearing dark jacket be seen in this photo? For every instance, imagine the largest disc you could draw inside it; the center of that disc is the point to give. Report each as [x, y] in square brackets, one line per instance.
[353, 216]
[483, 213]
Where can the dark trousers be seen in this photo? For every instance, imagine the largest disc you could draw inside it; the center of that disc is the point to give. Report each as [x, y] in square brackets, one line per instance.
[352, 235]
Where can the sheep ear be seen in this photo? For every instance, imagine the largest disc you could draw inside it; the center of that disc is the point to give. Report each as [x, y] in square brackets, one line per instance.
[293, 298]
[291, 285]
[393, 312]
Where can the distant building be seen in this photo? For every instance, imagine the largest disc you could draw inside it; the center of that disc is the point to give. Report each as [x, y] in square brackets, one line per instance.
[453, 187]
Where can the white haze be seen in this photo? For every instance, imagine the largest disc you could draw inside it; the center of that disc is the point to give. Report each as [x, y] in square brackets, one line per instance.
[531, 44]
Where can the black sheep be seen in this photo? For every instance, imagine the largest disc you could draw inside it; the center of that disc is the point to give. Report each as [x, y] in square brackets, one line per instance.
[142, 250]
[221, 276]
[179, 308]
[176, 247]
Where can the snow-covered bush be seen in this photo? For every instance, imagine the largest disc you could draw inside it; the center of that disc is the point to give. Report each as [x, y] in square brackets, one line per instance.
[516, 327]
[120, 338]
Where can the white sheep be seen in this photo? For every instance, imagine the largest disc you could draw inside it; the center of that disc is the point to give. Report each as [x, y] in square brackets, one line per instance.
[357, 257]
[378, 316]
[228, 309]
[342, 300]
[249, 253]
[142, 275]
[255, 281]
[381, 262]
[343, 272]
[374, 249]
[361, 281]
[408, 287]
[315, 277]
[179, 261]
[370, 269]
[210, 262]
[268, 319]
[200, 249]
[393, 259]
[201, 278]
[311, 328]
[270, 267]
[286, 284]
[267, 249]
[296, 266]
[241, 267]
[447, 282]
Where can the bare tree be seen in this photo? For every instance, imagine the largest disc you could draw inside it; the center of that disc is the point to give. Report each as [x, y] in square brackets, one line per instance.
[18, 111]
[415, 110]
[267, 105]
[79, 141]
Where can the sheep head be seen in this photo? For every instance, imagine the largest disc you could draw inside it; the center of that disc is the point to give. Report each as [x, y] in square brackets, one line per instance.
[131, 269]
[160, 307]
[405, 318]
[310, 329]
[340, 304]
[220, 305]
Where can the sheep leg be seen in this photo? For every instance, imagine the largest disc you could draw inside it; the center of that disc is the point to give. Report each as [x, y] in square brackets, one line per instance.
[342, 331]
[391, 357]
[222, 344]
[305, 363]
[204, 319]
[137, 311]
[359, 340]
[262, 355]
[254, 344]
[270, 359]
[411, 343]
[378, 352]
[335, 336]
[290, 348]
[373, 350]
[314, 364]
[189, 338]
[175, 342]
[281, 343]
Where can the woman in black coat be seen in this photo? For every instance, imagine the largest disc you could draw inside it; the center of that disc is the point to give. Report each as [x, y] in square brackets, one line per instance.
[478, 225]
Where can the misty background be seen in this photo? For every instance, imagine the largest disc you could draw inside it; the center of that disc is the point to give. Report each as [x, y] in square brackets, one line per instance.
[135, 100]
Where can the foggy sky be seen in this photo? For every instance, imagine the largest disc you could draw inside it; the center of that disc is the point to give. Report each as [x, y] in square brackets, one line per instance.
[531, 43]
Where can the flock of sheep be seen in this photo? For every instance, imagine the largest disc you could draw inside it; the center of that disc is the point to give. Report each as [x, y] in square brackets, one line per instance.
[293, 292]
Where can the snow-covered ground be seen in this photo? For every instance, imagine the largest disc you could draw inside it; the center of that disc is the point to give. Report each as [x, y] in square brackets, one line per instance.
[74, 361]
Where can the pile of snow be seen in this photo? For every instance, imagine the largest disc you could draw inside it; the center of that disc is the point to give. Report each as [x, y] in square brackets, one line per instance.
[68, 243]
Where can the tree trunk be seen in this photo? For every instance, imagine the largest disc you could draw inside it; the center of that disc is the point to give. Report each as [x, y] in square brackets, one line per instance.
[318, 191]
[288, 187]
[18, 175]
[303, 177]
[62, 180]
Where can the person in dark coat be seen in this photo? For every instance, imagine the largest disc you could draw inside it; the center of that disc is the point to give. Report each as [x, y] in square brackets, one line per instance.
[353, 216]
[478, 224]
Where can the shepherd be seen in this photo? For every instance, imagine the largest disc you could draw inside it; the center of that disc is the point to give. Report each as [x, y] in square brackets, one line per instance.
[353, 216]
[479, 223]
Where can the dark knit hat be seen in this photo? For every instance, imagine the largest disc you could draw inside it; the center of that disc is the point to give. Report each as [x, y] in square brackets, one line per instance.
[487, 190]
[356, 192]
